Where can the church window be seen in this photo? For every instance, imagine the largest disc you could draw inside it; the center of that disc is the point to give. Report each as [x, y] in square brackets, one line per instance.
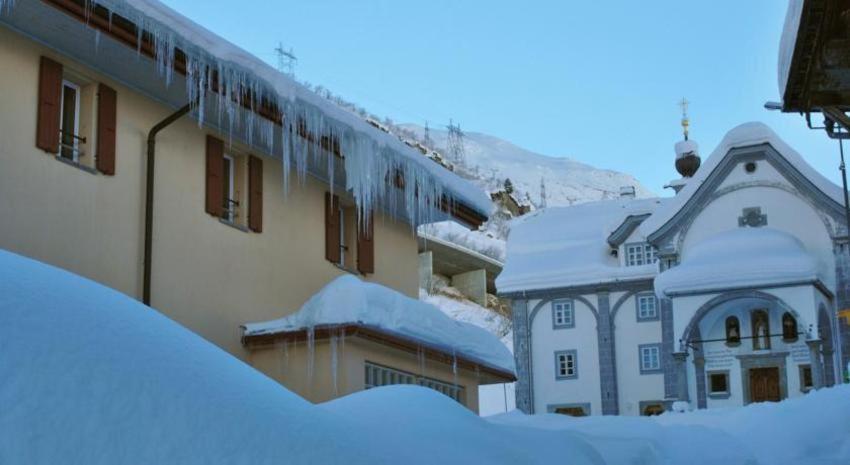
[650, 358]
[806, 382]
[563, 315]
[647, 308]
[566, 365]
[718, 384]
[733, 331]
[640, 253]
[789, 327]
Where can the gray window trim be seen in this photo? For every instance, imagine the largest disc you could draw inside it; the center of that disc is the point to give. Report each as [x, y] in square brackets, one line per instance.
[637, 307]
[644, 371]
[574, 353]
[585, 406]
[718, 395]
[572, 313]
[643, 245]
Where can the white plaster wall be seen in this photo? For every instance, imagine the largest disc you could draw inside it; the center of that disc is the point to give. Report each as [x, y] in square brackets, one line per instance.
[634, 387]
[546, 341]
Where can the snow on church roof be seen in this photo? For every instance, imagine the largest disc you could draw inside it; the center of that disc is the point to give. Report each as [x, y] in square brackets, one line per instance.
[741, 257]
[369, 152]
[567, 246]
[349, 300]
[744, 135]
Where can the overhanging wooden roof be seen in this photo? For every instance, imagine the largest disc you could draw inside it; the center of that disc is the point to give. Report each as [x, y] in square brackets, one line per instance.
[819, 70]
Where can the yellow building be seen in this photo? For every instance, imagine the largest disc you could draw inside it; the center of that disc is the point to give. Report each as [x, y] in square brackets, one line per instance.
[259, 196]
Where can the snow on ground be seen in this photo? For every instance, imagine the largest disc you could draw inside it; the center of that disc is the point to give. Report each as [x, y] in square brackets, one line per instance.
[492, 398]
[808, 430]
[349, 300]
[91, 376]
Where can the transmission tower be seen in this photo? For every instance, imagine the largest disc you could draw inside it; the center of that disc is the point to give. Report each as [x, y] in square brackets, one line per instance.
[543, 199]
[454, 143]
[285, 60]
[427, 142]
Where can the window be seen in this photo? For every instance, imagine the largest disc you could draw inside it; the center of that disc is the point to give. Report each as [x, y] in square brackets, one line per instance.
[647, 309]
[563, 314]
[566, 365]
[650, 409]
[229, 203]
[377, 375]
[789, 327]
[69, 122]
[650, 358]
[733, 331]
[718, 384]
[234, 187]
[570, 410]
[640, 254]
[761, 330]
[806, 381]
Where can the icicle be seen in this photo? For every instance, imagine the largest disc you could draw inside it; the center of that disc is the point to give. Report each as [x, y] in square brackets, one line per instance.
[311, 351]
[96, 40]
[334, 361]
[6, 6]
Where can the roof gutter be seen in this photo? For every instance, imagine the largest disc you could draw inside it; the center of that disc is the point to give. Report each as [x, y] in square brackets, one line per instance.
[149, 185]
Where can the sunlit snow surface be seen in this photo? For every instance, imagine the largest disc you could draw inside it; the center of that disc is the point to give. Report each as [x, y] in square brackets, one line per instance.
[90, 376]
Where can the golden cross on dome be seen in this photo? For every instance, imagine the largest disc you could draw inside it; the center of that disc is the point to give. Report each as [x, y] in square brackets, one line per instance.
[685, 121]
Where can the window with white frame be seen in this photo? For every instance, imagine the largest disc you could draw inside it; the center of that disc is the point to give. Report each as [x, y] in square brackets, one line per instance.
[647, 308]
[640, 253]
[566, 364]
[650, 358]
[563, 314]
[377, 375]
[69, 121]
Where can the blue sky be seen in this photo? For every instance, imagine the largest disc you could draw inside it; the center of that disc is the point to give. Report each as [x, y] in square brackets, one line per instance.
[595, 81]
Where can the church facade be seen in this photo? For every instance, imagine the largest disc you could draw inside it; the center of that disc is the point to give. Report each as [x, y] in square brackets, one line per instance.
[723, 295]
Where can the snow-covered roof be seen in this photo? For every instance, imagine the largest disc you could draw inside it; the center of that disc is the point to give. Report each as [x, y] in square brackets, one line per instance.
[567, 246]
[369, 152]
[788, 41]
[347, 300]
[738, 258]
[744, 135]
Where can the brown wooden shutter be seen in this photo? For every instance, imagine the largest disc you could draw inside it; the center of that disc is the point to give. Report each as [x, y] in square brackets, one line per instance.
[49, 101]
[106, 126]
[255, 189]
[215, 174]
[366, 245]
[332, 228]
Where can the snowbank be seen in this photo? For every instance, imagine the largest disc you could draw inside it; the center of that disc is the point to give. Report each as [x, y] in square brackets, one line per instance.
[563, 246]
[348, 300]
[744, 135]
[813, 429]
[90, 376]
[741, 257]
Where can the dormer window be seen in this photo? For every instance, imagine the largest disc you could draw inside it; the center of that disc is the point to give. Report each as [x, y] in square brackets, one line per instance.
[640, 253]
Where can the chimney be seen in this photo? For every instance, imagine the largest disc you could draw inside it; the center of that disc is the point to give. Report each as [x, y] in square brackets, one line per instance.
[627, 192]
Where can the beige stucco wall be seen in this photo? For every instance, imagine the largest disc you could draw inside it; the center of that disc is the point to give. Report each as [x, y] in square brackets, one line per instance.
[289, 364]
[207, 275]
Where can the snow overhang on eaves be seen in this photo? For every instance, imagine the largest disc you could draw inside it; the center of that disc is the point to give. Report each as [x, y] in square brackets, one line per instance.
[384, 337]
[101, 40]
[626, 228]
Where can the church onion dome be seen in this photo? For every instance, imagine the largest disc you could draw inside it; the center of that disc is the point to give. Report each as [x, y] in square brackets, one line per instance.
[744, 257]
[687, 158]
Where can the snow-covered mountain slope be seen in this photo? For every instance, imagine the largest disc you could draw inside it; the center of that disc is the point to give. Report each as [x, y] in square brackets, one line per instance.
[491, 160]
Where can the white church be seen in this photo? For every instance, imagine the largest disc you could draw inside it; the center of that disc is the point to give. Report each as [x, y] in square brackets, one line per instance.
[723, 295]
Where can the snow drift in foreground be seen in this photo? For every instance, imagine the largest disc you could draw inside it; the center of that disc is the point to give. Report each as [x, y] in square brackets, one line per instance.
[90, 376]
[349, 300]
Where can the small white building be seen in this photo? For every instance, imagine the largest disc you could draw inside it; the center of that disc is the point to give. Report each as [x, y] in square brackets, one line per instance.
[723, 295]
